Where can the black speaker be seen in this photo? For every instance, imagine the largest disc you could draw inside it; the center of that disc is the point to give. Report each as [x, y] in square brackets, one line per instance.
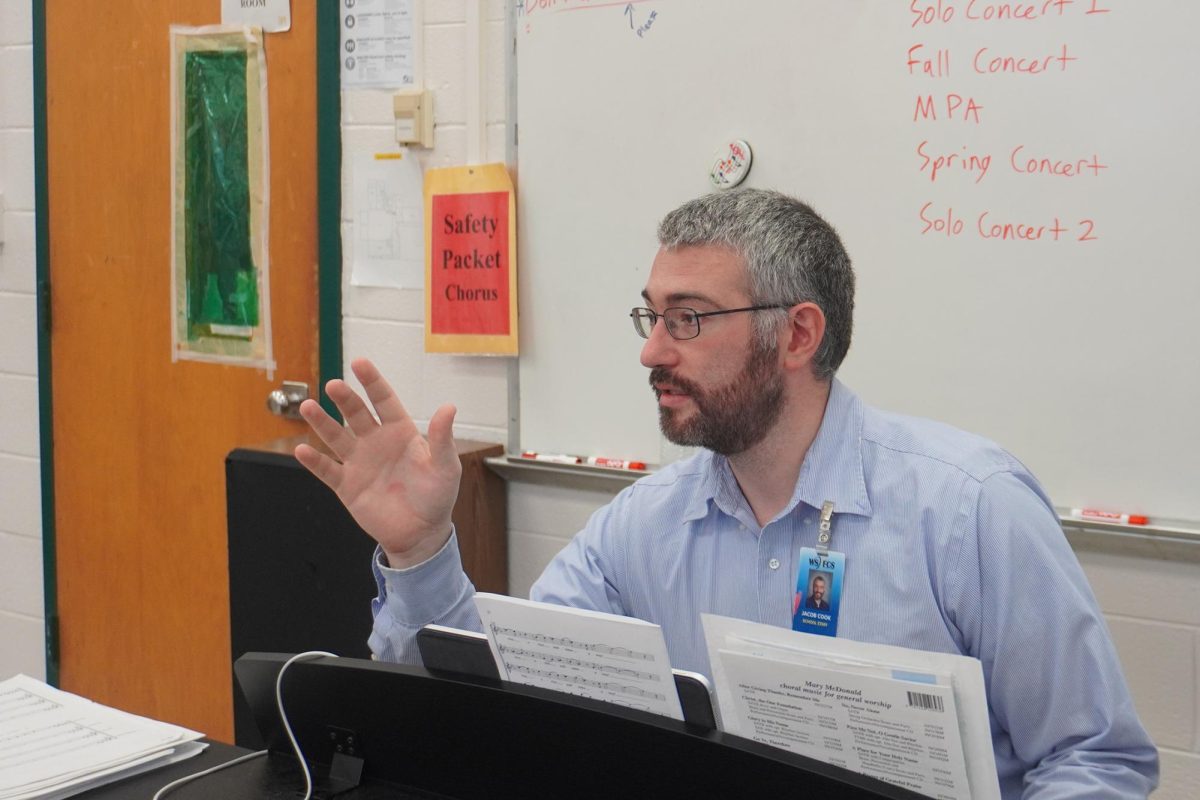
[299, 567]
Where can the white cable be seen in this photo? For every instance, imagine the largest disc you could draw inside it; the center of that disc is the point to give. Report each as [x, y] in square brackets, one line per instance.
[188, 778]
[287, 727]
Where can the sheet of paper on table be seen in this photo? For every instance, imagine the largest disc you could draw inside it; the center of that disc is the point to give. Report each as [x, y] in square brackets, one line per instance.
[54, 744]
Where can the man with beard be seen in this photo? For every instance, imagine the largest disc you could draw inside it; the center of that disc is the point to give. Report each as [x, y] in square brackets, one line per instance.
[948, 543]
[816, 598]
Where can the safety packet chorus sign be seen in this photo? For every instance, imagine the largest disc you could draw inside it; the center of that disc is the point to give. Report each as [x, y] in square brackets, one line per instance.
[470, 261]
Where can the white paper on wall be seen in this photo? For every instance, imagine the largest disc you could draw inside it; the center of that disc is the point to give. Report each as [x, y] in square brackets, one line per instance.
[273, 16]
[389, 212]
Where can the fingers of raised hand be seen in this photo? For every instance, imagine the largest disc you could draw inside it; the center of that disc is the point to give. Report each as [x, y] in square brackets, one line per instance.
[354, 410]
[335, 437]
[379, 391]
[441, 437]
[321, 465]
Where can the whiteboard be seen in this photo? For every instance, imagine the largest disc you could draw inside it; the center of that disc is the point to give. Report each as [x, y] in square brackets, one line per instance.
[1079, 351]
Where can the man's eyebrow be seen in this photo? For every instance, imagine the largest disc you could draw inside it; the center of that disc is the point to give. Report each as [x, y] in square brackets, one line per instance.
[683, 297]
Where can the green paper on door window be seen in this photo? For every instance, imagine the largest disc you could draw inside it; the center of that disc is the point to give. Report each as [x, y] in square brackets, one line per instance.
[221, 277]
[220, 273]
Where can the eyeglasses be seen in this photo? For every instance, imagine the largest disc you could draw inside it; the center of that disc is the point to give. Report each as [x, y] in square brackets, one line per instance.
[682, 323]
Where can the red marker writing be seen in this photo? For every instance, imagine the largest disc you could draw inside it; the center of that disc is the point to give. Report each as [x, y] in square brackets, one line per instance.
[615, 463]
[1093, 515]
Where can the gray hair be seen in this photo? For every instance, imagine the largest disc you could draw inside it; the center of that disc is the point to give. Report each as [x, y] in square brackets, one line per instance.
[792, 256]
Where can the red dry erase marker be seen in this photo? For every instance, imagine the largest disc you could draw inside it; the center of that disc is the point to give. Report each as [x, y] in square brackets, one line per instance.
[551, 458]
[615, 463]
[1094, 515]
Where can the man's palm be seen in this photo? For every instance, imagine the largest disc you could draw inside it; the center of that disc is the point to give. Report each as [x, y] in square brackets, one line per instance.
[399, 487]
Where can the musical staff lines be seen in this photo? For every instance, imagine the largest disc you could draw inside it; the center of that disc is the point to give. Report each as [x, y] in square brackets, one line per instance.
[50, 743]
[567, 661]
[580, 652]
[18, 703]
[565, 641]
[579, 680]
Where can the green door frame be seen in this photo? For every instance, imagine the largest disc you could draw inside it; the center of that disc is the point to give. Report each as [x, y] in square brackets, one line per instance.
[329, 267]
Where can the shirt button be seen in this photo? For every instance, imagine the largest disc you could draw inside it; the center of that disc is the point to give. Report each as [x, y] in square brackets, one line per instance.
[773, 563]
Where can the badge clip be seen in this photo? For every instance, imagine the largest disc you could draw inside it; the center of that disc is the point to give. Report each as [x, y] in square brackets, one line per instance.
[825, 532]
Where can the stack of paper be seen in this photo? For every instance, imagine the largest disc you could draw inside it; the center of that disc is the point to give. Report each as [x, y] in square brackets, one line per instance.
[55, 744]
[908, 717]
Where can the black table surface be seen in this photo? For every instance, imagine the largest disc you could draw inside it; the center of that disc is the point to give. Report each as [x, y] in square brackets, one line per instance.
[275, 776]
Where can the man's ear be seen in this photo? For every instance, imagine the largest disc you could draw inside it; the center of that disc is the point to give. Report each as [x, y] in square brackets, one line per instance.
[802, 336]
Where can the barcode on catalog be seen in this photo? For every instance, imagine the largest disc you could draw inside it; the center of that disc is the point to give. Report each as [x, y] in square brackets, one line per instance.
[930, 702]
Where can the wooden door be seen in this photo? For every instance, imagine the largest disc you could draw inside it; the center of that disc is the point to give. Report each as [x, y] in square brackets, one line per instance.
[139, 441]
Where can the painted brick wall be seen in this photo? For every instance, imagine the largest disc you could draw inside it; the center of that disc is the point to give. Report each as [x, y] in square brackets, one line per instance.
[21, 613]
[1150, 595]
[387, 325]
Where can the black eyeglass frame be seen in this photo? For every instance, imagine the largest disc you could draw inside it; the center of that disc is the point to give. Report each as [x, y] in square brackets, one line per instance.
[655, 315]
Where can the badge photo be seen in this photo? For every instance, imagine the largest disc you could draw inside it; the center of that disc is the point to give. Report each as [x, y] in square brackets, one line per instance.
[818, 592]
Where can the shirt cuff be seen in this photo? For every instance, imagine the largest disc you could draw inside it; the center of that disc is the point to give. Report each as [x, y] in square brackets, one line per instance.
[425, 592]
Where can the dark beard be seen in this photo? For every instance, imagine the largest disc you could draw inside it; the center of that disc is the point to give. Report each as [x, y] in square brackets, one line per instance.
[732, 418]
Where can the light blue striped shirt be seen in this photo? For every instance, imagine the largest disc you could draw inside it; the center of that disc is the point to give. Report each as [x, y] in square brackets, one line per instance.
[950, 544]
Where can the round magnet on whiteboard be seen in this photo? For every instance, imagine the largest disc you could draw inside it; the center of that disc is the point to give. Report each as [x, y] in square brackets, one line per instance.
[730, 164]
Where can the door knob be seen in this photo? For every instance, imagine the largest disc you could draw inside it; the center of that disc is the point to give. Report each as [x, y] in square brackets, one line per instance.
[285, 401]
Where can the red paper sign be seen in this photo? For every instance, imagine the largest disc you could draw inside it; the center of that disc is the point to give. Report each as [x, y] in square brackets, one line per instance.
[469, 264]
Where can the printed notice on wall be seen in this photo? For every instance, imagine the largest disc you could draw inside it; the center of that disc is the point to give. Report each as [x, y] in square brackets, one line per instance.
[389, 249]
[471, 257]
[273, 16]
[378, 50]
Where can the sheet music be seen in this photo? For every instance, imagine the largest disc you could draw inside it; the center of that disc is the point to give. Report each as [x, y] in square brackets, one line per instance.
[901, 732]
[603, 656]
[914, 718]
[50, 740]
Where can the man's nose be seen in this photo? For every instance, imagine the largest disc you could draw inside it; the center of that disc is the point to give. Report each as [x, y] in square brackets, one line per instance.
[660, 348]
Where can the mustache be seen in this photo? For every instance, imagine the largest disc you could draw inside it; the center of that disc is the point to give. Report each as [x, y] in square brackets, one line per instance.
[664, 375]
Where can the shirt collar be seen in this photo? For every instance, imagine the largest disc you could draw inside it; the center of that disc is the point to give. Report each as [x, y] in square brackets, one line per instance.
[832, 468]
[716, 476]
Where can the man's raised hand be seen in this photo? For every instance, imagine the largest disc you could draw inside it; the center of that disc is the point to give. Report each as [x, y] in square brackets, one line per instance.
[399, 486]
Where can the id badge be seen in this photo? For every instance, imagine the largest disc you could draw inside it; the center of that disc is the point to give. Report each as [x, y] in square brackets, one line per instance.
[818, 592]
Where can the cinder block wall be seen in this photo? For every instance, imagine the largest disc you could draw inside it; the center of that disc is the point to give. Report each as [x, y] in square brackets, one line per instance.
[1151, 598]
[387, 325]
[21, 611]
